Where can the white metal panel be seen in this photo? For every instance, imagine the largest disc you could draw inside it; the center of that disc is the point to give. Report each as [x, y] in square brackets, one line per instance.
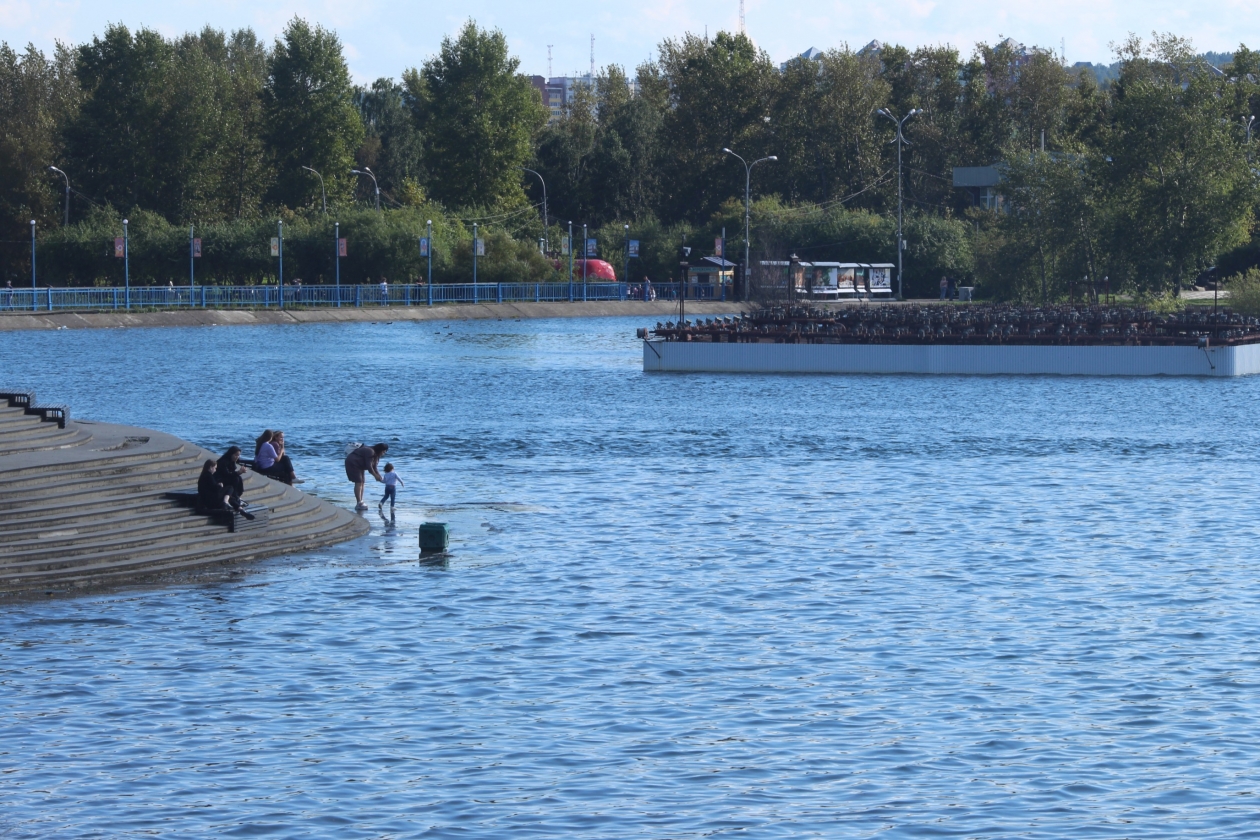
[950, 359]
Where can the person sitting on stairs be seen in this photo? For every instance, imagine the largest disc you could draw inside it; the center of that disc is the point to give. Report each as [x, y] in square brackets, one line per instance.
[228, 472]
[269, 457]
[212, 495]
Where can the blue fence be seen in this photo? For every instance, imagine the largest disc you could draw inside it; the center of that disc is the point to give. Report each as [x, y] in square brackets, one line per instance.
[269, 297]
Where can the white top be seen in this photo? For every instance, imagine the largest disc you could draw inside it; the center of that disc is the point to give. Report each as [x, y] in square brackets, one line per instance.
[391, 478]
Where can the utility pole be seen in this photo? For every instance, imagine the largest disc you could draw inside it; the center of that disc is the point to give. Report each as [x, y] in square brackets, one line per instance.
[474, 257]
[428, 232]
[900, 140]
[337, 259]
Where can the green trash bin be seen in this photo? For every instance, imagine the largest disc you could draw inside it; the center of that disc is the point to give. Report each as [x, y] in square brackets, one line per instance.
[434, 537]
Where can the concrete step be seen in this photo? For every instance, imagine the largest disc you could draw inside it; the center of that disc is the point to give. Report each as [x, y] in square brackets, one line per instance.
[93, 505]
[73, 531]
[106, 468]
[48, 437]
[88, 458]
[110, 573]
[133, 554]
[157, 476]
[85, 506]
[140, 533]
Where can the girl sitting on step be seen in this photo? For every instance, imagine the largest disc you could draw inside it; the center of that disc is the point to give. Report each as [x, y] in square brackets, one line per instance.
[269, 457]
[212, 495]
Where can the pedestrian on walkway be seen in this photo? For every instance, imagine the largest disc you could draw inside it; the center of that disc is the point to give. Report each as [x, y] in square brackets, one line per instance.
[944, 287]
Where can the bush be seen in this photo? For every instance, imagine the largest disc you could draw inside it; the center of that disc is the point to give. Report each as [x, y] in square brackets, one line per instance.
[1244, 292]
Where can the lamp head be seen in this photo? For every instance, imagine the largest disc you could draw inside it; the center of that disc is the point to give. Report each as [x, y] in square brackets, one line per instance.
[728, 151]
[124, 222]
[355, 172]
[773, 157]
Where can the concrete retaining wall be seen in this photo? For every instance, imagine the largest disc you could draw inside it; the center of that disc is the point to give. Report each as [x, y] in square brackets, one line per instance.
[656, 310]
[679, 356]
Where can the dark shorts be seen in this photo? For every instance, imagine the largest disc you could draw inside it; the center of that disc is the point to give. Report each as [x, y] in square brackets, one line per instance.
[355, 475]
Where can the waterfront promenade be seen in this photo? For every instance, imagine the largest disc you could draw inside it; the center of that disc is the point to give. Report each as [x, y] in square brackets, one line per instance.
[658, 310]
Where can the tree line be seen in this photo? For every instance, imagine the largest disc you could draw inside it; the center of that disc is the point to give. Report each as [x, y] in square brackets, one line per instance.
[1147, 180]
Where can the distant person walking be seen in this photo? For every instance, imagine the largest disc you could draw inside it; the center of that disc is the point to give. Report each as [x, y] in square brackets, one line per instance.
[392, 481]
[384, 292]
[944, 287]
[359, 462]
[8, 294]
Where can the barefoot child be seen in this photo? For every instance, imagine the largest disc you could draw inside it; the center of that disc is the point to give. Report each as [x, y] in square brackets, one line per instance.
[391, 486]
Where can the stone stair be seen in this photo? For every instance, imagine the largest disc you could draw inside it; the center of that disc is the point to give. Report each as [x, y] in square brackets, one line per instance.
[83, 507]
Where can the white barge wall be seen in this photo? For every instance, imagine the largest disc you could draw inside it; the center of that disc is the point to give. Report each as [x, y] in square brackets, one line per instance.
[981, 359]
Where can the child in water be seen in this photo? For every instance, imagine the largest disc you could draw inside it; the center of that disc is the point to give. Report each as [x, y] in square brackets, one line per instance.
[391, 486]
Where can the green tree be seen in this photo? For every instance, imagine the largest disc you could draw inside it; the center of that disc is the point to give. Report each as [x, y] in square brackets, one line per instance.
[116, 143]
[1179, 185]
[310, 116]
[479, 118]
[38, 97]
[719, 96]
[392, 146]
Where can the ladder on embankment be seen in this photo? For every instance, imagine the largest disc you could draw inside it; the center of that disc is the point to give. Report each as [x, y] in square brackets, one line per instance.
[84, 505]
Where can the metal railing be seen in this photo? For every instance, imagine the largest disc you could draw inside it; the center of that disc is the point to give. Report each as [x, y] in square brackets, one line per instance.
[52, 299]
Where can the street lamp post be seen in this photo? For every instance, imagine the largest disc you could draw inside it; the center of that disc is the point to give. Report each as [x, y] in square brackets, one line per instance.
[280, 252]
[586, 255]
[625, 274]
[900, 140]
[323, 196]
[544, 186]
[368, 172]
[126, 266]
[337, 260]
[474, 260]
[747, 191]
[66, 222]
[1247, 121]
[33, 304]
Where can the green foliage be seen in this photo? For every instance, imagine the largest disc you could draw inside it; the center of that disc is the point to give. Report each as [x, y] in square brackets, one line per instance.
[38, 96]
[478, 118]
[1147, 181]
[310, 116]
[1244, 292]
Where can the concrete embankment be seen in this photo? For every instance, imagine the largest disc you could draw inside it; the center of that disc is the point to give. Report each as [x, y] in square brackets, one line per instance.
[657, 310]
[86, 506]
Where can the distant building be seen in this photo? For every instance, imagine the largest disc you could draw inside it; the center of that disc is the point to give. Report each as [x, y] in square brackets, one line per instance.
[811, 54]
[558, 92]
[981, 184]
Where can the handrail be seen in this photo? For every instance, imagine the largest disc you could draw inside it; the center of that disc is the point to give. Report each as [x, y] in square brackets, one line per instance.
[104, 298]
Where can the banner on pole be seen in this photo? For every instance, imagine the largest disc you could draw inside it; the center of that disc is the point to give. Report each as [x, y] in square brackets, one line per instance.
[275, 246]
[592, 248]
[197, 247]
[341, 247]
[481, 247]
[564, 247]
[424, 246]
[634, 247]
[118, 247]
[717, 247]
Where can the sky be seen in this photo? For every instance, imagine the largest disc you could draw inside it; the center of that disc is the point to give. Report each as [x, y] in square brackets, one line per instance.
[384, 37]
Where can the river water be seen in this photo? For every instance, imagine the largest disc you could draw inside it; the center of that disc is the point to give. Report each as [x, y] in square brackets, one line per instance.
[674, 606]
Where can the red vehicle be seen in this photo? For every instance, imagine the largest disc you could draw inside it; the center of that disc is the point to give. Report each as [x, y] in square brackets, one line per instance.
[597, 271]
